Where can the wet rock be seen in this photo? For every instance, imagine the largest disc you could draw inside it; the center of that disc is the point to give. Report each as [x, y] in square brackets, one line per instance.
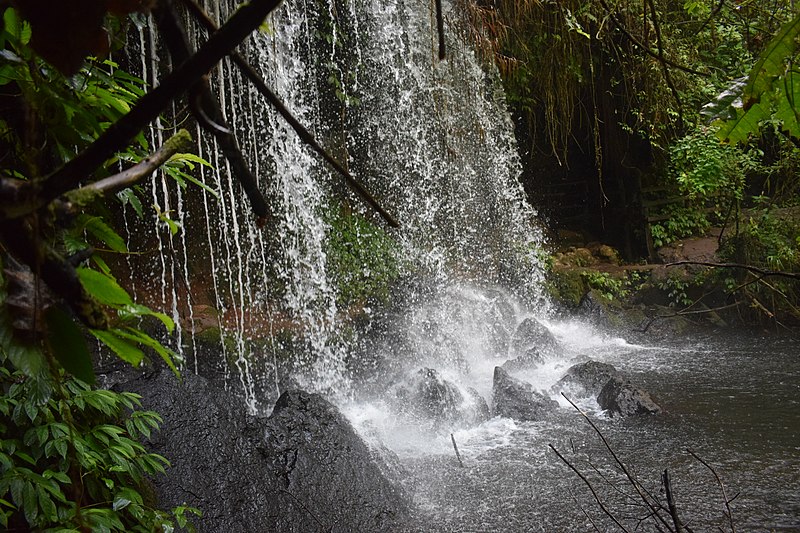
[593, 308]
[608, 254]
[429, 395]
[514, 398]
[302, 469]
[477, 410]
[621, 397]
[530, 360]
[532, 338]
[590, 376]
[327, 474]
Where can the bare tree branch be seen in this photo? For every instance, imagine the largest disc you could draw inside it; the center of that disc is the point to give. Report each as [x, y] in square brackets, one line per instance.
[249, 72]
[56, 271]
[180, 142]
[633, 481]
[206, 108]
[673, 509]
[646, 49]
[591, 488]
[728, 512]
[662, 60]
[756, 270]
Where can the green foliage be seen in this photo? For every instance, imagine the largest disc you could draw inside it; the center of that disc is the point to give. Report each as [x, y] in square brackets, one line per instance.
[605, 285]
[768, 238]
[75, 462]
[676, 287]
[772, 90]
[70, 111]
[66, 115]
[682, 222]
[709, 178]
[362, 258]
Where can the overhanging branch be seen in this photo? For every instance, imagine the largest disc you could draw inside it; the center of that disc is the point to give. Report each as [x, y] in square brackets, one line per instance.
[243, 22]
[180, 142]
[249, 72]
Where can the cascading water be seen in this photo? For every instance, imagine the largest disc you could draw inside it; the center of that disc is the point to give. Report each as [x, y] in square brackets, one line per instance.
[431, 138]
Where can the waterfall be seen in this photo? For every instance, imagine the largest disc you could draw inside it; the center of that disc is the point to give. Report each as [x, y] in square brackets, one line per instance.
[431, 139]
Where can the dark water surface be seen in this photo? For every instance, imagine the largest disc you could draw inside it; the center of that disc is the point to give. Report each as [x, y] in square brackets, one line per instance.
[734, 401]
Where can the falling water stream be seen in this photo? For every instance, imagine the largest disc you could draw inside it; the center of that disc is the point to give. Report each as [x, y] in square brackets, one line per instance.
[433, 141]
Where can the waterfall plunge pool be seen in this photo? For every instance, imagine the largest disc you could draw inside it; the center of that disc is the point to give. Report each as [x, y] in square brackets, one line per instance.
[732, 400]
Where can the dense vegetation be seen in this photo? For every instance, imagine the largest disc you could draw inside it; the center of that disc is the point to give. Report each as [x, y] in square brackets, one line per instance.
[671, 116]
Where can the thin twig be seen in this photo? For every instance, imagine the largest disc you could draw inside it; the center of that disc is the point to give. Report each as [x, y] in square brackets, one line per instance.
[585, 513]
[662, 60]
[646, 49]
[686, 311]
[455, 447]
[728, 512]
[621, 465]
[303, 507]
[591, 489]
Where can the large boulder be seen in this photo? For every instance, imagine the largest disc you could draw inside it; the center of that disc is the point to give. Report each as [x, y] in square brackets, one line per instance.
[527, 361]
[514, 398]
[327, 476]
[590, 376]
[621, 397]
[302, 469]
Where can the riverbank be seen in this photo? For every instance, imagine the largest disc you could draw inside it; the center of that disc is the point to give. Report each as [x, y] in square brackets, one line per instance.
[679, 293]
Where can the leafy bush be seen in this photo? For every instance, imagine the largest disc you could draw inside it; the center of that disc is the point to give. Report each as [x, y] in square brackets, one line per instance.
[606, 285]
[767, 239]
[710, 178]
[74, 462]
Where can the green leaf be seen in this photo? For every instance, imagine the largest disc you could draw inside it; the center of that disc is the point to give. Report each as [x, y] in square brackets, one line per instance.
[772, 62]
[46, 505]
[25, 457]
[20, 29]
[61, 477]
[101, 264]
[30, 504]
[788, 109]
[128, 196]
[28, 359]
[97, 227]
[191, 158]
[103, 287]
[141, 310]
[746, 123]
[125, 350]
[68, 345]
[140, 337]
[120, 503]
